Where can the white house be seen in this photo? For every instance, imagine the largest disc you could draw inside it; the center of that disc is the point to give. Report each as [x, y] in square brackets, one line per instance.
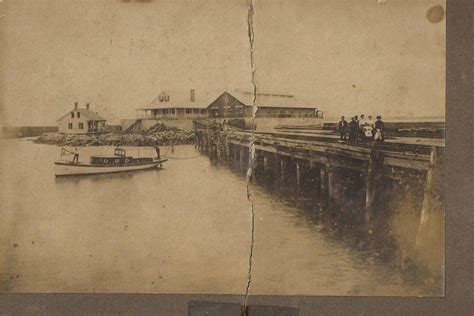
[175, 105]
[81, 121]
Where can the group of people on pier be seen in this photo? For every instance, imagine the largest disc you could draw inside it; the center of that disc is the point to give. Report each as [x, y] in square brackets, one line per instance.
[361, 129]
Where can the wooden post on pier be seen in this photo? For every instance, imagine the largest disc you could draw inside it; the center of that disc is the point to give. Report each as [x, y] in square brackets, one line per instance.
[254, 163]
[235, 156]
[370, 190]
[429, 242]
[298, 175]
[372, 174]
[198, 141]
[324, 183]
[282, 169]
[242, 158]
[227, 149]
[265, 164]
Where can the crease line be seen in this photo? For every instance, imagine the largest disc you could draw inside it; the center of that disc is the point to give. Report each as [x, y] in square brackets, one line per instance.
[250, 17]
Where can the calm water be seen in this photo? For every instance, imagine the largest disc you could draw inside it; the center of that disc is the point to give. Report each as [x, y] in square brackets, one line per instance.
[183, 229]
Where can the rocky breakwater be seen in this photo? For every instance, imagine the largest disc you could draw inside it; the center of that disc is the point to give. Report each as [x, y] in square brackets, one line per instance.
[158, 135]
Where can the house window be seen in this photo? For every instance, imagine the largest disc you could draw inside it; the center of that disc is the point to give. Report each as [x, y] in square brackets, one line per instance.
[69, 125]
[78, 114]
[72, 114]
[189, 111]
[81, 125]
[165, 111]
[164, 98]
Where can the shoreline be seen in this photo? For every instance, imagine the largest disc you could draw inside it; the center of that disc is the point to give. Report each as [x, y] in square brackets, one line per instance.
[162, 138]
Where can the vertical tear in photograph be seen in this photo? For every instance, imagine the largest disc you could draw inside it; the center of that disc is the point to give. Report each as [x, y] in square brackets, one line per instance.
[241, 147]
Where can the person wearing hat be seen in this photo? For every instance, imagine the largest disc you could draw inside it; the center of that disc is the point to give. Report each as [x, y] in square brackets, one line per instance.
[356, 119]
[353, 129]
[379, 129]
[342, 128]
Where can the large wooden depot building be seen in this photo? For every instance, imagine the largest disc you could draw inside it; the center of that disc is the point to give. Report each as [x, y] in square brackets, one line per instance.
[236, 104]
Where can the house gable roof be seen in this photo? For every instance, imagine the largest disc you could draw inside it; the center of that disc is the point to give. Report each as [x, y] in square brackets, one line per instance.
[84, 113]
[181, 100]
[223, 96]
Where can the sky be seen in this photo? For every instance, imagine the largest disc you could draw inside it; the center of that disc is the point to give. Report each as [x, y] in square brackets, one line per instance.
[346, 57]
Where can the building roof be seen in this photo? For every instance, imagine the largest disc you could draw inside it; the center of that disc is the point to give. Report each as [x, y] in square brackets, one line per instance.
[86, 114]
[275, 100]
[181, 99]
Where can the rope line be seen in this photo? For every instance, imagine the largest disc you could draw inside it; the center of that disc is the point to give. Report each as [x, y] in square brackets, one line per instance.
[193, 157]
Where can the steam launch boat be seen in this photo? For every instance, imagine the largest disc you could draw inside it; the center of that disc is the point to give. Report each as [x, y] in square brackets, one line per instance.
[98, 164]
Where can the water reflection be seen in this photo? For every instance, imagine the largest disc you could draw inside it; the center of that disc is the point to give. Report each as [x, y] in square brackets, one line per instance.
[182, 229]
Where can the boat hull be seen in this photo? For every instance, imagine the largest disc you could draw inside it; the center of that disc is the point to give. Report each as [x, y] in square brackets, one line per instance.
[67, 169]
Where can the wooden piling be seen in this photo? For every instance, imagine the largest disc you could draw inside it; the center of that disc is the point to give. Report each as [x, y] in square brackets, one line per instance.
[369, 190]
[282, 170]
[428, 199]
[298, 175]
[265, 164]
[242, 158]
[254, 163]
[324, 183]
[235, 154]
[227, 149]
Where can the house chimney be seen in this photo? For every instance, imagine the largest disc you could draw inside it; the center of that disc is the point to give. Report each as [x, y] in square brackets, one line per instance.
[193, 97]
[76, 105]
[87, 106]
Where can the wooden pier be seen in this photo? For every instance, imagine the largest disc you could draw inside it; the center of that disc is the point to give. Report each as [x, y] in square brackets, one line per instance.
[324, 163]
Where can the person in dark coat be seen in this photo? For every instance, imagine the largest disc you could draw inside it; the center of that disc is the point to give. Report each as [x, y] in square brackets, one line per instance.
[342, 128]
[353, 129]
[379, 129]
[356, 119]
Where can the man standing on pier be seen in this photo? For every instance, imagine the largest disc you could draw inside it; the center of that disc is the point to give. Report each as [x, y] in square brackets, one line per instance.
[343, 128]
[379, 129]
[356, 119]
[353, 128]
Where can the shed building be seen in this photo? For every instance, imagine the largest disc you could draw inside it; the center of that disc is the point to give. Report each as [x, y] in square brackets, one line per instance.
[240, 103]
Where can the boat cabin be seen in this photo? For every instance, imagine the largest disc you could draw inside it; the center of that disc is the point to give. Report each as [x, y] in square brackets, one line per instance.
[118, 158]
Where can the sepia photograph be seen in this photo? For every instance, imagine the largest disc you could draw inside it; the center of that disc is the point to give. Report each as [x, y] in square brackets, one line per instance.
[238, 147]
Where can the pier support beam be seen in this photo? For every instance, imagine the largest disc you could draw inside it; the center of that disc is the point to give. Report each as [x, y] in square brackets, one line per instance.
[235, 155]
[227, 149]
[429, 242]
[369, 191]
[282, 170]
[265, 164]
[242, 158]
[324, 184]
[298, 175]
[254, 163]
[198, 142]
